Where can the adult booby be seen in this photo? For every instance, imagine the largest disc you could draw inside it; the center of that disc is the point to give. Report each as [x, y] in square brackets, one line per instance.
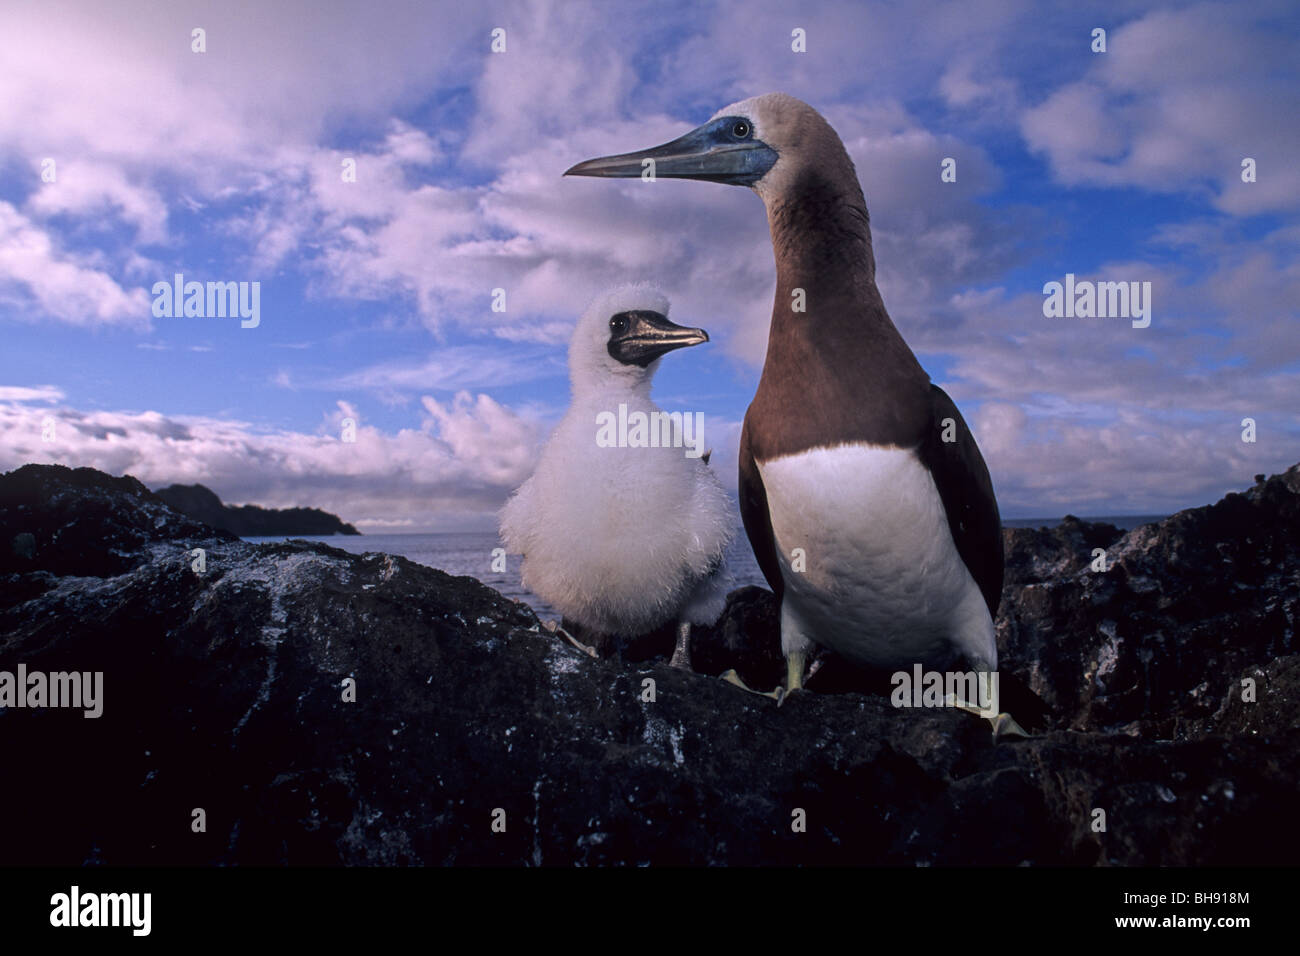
[621, 540]
[864, 496]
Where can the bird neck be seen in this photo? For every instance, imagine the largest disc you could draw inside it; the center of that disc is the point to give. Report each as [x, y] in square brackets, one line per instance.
[820, 228]
[610, 390]
[826, 271]
[831, 343]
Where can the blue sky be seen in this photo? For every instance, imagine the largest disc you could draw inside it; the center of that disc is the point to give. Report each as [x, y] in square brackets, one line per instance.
[375, 295]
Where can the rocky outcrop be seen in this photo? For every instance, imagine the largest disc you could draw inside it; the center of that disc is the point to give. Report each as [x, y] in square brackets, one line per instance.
[83, 523]
[320, 707]
[250, 521]
[1157, 643]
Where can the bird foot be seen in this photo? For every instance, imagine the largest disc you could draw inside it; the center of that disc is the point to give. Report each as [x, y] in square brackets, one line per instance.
[794, 662]
[555, 629]
[793, 679]
[681, 658]
[1002, 724]
[731, 677]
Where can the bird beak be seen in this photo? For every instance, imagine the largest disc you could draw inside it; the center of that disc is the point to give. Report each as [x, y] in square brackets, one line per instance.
[697, 155]
[652, 336]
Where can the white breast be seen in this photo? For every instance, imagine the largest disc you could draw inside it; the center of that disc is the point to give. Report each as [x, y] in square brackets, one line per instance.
[882, 580]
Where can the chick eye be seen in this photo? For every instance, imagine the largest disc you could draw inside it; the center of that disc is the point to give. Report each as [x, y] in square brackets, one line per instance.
[740, 130]
[618, 323]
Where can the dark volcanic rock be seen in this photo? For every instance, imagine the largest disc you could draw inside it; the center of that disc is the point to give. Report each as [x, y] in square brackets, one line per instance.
[82, 522]
[224, 690]
[1164, 633]
[747, 638]
[250, 521]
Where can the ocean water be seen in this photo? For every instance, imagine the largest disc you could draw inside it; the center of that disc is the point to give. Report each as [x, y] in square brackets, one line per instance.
[470, 554]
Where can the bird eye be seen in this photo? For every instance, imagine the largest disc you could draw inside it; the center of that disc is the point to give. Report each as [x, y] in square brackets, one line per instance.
[740, 130]
[618, 323]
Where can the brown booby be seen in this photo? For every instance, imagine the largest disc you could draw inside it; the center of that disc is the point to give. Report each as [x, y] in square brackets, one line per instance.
[865, 498]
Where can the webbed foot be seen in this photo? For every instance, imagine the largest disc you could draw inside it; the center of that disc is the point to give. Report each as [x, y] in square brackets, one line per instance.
[556, 629]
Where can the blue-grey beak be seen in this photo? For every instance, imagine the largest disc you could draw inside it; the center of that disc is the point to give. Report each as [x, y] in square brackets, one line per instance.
[709, 153]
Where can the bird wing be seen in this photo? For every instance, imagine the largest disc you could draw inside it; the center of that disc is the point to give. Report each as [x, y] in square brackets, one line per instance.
[753, 511]
[966, 490]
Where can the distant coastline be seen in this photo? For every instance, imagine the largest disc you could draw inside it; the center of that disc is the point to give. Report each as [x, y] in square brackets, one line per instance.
[203, 504]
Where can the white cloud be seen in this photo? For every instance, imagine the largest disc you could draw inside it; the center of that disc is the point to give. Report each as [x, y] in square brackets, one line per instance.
[39, 393]
[91, 189]
[1178, 100]
[57, 283]
[485, 437]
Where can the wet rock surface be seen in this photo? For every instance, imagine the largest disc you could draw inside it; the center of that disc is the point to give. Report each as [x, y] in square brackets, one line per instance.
[224, 689]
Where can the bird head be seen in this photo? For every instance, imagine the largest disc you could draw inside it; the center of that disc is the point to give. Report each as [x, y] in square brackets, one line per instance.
[763, 142]
[622, 336]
